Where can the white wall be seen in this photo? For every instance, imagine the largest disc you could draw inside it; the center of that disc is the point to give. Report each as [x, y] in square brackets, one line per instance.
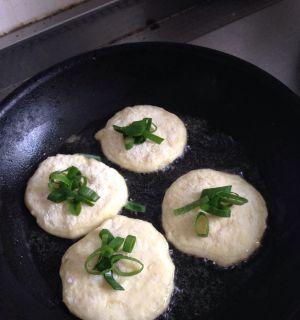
[17, 13]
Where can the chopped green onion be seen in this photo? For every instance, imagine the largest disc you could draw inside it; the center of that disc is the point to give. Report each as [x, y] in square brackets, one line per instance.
[107, 251]
[119, 272]
[153, 137]
[111, 281]
[202, 225]
[72, 172]
[232, 198]
[137, 140]
[134, 206]
[129, 142]
[212, 191]
[103, 265]
[135, 129]
[149, 123]
[116, 243]
[191, 206]
[84, 200]
[215, 201]
[225, 212]
[153, 128]
[118, 128]
[105, 233]
[90, 156]
[129, 243]
[71, 186]
[74, 207]
[88, 194]
[87, 266]
[57, 177]
[137, 132]
[204, 206]
[107, 258]
[57, 196]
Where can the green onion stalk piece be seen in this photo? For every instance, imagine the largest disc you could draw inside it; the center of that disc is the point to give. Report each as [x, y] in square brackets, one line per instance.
[104, 260]
[215, 201]
[71, 186]
[90, 156]
[134, 206]
[138, 132]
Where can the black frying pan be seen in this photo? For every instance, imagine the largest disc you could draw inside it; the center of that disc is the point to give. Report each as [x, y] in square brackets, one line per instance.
[239, 120]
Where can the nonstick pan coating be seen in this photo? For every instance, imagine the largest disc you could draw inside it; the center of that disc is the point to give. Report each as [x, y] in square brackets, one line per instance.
[239, 120]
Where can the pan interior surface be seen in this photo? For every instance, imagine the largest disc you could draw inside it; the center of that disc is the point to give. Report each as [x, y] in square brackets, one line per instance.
[239, 120]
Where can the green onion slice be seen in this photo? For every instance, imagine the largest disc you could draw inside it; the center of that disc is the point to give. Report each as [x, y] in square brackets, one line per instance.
[87, 265]
[104, 260]
[74, 207]
[118, 128]
[116, 243]
[202, 225]
[88, 194]
[212, 191]
[232, 198]
[137, 132]
[111, 281]
[91, 156]
[103, 265]
[85, 201]
[137, 140]
[57, 177]
[105, 236]
[57, 196]
[72, 172]
[71, 186]
[225, 212]
[148, 123]
[107, 251]
[129, 142]
[153, 137]
[119, 272]
[129, 243]
[135, 206]
[191, 206]
[136, 128]
[215, 201]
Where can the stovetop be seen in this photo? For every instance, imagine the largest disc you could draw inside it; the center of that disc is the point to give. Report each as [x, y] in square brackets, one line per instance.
[263, 32]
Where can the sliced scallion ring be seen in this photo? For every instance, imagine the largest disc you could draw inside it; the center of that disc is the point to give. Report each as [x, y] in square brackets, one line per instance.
[107, 258]
[87, 267]
[119, 272]
[202, 225]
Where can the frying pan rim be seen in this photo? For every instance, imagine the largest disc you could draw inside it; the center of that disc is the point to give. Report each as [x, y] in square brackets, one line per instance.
[238, 63]
[203, 52]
